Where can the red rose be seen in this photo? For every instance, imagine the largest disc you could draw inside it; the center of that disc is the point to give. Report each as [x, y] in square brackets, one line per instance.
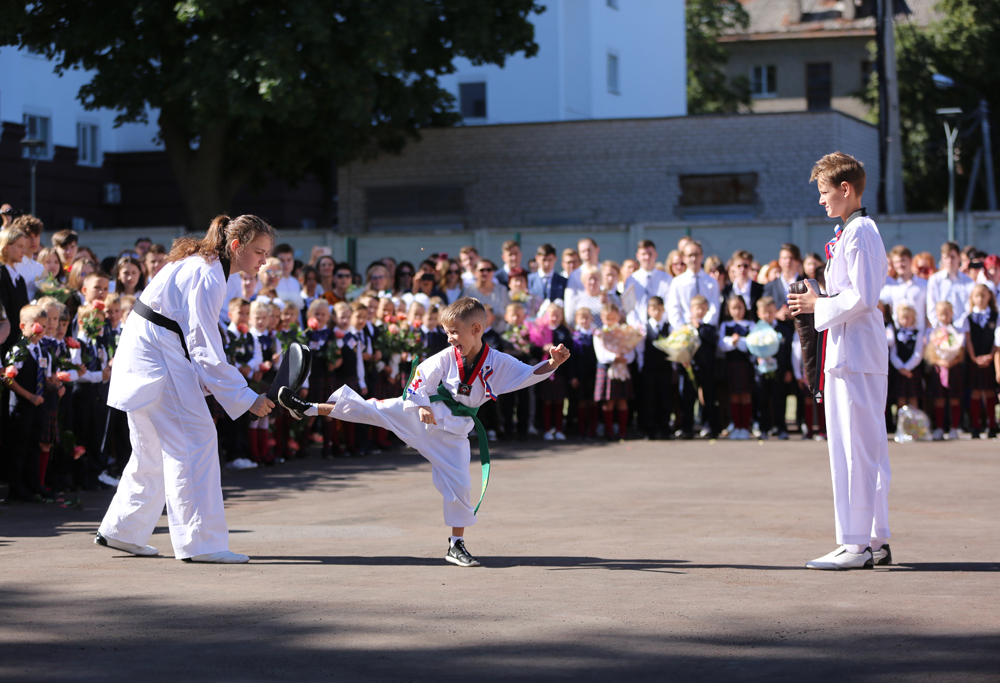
[37, 329]
[242, 329]
[313, 324]
[72, 343]
[98, 305]
[10, 372]
[339, 334]
[63, 377]
[393, 328]
[401, 316]
[78, 452]
[265, 366]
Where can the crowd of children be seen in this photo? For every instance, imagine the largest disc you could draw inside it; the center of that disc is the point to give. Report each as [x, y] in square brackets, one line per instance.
[62, 310]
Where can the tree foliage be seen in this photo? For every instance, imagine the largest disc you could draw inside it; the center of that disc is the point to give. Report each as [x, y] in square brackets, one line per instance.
[709, 91]
[246, 88]
[963, 45]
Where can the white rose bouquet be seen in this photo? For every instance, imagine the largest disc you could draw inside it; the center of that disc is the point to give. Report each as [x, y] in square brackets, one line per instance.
[763, 343]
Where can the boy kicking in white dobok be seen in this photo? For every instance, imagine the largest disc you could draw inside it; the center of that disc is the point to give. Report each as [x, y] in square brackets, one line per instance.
[436, 412]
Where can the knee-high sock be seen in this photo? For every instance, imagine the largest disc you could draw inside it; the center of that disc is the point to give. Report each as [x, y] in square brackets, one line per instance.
[547, 415]
[558, 417]
[938, 417]
[43, 464]
[254, 445]
[991, 409]
[976, 414]
[609, 423]
[956, 415]
[622, 422]
[592, 426]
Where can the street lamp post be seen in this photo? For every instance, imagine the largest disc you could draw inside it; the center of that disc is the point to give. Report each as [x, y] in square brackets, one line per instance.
[951, 134]
[943, 82]
[33, 145]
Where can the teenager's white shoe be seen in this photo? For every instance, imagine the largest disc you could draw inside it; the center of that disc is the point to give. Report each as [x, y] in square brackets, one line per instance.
[559, 436]
[953, 435]
[735, 435]
[882, 556]
[937, 435]
[142, 551]
[221, 557]
[841, 558]
[106, 478]
[549, 435]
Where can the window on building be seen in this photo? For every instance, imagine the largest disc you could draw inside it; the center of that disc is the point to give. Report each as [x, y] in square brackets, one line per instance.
[819, 86]
[763, 81]
[472, 100]
[414, 202]
[718, 190]
[38, 128]
[613, 74]
[87, 151]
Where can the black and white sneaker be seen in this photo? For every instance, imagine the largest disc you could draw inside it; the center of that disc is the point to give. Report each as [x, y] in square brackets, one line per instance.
[882, 556]
[295, 405]
[457, 554]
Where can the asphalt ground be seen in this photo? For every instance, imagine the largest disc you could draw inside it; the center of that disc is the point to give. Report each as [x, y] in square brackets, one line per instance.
[663, 561]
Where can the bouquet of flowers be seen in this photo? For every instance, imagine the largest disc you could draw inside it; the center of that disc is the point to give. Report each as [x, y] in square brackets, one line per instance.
[352, 293]
[945, 345]
[92, 327]
[48, 285]
[763, 343]
[398, 337]
[680, 345]
[519, 338]
[9, 373]
[912, 425]
[619, 340]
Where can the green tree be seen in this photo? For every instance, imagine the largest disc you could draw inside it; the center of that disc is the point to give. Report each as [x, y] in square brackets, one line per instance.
[963, 44]
[246, 88]
[709, 91]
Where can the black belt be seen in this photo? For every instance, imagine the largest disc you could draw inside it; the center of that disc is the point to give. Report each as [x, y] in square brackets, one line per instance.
[152, 316]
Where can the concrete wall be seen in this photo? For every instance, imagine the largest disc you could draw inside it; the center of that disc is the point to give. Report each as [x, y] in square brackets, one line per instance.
[921, 232]
[610, 171]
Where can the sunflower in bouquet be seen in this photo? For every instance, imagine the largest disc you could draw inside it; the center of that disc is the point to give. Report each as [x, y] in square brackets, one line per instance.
[620, 339]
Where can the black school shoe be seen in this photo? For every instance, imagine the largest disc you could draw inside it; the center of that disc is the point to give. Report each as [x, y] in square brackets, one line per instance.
[457, 554]
[295, 405]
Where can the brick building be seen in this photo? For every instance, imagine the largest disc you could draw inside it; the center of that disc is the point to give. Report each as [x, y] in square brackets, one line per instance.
[605, 172]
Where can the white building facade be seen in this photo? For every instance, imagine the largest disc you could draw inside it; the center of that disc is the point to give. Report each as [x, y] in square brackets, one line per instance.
[597, 59]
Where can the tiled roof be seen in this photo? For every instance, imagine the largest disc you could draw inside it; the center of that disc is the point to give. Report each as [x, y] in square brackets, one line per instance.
[817, 16]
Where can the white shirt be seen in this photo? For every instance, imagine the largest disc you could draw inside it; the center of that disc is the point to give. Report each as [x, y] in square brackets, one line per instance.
[856, 275]
[743, 292]
[30, 269]
[683, 288]
[290, 290]
[913, 361]
[647, 283]
[258, 354]
[190, 292]
[913, 292]
[955, 290]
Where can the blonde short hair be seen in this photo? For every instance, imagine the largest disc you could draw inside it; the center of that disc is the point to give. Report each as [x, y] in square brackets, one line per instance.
[464, 310]
[837, 168]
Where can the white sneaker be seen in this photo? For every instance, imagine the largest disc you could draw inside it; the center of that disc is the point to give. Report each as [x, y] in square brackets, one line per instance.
[736, 435]
[705, 432]
[599, 432]
[938, 435]
[491, 435]
[241, 464]
[842, 559]
[142, 551]
[532, 430]
[953, 435]
[221, 557]
[559, 436]
[106, 478]
[549, 435]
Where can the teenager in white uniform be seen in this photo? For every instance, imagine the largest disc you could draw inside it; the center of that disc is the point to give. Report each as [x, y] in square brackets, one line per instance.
[856, 369]
[473, 373]
[175, 456]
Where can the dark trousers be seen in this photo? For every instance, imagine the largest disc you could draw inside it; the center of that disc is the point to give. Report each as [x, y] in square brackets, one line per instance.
[705, 378]
[771, 401]
[657, 399]
[90, 421]
[521, 401]
[26, 429]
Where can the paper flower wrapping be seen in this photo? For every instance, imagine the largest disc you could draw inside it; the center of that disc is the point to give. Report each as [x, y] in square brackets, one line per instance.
[620, 340]
[912, 425]
[946, 344]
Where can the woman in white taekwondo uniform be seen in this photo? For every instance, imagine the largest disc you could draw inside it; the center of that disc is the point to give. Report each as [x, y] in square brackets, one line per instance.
[855, 369]
[169, 356]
